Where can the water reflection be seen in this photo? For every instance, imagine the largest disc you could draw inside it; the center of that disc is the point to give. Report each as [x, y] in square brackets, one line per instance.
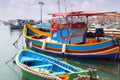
[13, 31]
[105, 68]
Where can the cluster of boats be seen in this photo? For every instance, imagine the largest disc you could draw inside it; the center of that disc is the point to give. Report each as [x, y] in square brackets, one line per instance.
[19, 23]
[67, 36]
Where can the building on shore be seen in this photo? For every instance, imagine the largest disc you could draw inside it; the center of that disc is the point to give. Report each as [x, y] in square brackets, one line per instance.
[107, 19]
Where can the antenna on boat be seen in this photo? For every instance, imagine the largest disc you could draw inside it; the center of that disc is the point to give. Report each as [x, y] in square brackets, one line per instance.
[65, 5]
[71, 7]
[58, 2]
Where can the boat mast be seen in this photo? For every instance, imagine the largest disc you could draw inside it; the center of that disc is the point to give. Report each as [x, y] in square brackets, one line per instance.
[65, 5]
[71, 7]
[58, 2]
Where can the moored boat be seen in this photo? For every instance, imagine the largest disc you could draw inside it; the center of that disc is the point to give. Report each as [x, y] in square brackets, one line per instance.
[36, 66]
[71, 38]
[17, 24]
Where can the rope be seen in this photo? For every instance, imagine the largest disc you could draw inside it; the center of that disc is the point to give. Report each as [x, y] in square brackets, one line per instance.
[16, 42]
[11, 58]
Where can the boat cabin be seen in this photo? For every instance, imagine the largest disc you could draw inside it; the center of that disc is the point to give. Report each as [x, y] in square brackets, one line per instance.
[70, 27]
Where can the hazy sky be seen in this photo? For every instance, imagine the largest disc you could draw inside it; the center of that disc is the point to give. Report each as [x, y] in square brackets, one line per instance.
[30, 9]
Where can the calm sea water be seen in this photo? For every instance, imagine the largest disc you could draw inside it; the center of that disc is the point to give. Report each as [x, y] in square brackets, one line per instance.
[106, 70]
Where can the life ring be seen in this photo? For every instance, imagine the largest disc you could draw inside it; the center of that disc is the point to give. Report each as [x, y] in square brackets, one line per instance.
[61, 34]
[54, 26]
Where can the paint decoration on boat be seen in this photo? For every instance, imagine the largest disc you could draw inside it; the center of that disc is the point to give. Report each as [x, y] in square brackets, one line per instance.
[69, 36]
[42, 67]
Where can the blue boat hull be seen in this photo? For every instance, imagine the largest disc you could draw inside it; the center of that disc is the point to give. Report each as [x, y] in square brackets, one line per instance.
[108, 56]
[43, 67]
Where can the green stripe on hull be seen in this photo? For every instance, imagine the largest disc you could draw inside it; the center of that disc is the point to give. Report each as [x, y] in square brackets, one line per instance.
[29, 76]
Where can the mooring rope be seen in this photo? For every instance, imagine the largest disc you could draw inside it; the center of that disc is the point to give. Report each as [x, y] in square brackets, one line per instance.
[16, 42]
[11, 58]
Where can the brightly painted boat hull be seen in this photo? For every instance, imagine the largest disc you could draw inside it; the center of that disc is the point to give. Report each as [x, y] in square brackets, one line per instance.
[109, 56]
[106, 49]
[37, 66]
[112, 53]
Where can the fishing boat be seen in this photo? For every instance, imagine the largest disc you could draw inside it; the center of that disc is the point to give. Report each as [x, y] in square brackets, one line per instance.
[36, 66]
[17, 24]
[69, 36]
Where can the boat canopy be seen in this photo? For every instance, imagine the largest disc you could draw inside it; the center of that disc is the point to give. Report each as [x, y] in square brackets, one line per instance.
[75, 13]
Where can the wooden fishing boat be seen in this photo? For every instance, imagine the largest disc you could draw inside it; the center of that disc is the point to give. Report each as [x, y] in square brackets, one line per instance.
[18, 24]
[72, 39]
[36, 66]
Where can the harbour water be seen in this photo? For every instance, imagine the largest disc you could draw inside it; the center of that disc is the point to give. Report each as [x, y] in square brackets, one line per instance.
[106, 70]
